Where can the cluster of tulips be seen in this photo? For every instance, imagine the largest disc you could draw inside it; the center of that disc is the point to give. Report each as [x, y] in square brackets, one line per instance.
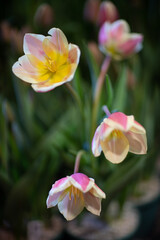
[51, 61]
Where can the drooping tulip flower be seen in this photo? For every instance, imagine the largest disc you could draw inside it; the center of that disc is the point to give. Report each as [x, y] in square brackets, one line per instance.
[48, 61]
[116, 40]
[73, 193]
[107, 13]
[117, 135]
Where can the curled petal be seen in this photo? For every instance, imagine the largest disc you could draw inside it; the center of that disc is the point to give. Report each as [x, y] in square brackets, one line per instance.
[71, 207]
[82, 182]
[92, 203]
[115, 147]
[59, 40]
[96, 147]
[32, 44]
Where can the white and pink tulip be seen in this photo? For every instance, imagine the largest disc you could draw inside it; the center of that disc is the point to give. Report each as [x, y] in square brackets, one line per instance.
[73, 193]
[117, 135]
[48, 61]
[116, 40]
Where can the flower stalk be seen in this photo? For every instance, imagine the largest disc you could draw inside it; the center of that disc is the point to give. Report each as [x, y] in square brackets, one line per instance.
[98, 90]
[77, 162]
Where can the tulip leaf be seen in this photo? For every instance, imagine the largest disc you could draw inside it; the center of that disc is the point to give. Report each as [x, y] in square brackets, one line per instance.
[120, 90]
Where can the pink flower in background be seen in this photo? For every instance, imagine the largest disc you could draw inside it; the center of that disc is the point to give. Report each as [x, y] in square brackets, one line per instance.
[116, 40]
[117, 135]
[48, 61]
[73, 193]
[107, 13]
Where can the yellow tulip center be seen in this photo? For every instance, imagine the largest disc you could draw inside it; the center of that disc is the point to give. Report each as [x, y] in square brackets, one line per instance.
[75, 192]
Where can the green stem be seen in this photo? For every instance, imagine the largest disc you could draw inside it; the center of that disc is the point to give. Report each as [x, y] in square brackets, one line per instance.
[98, 90]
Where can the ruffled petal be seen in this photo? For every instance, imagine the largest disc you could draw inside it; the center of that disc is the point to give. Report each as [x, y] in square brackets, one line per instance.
[92, 203]
[71, 207]
[32, 44]
[82, 182]
[59, 40]
[115, 147]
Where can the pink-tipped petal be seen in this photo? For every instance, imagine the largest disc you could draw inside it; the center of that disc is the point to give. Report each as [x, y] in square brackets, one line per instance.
[74, 54]
[118, 28]
[33, 45]
[131, 44]
[120, 121]
[97, 192]
[92, 203]
[21, 73]
[104, 33]
[137, 142]
[59, 40]
[60, 185]
[71, 207]
[82, 182]
[96, 147]
[115, 147]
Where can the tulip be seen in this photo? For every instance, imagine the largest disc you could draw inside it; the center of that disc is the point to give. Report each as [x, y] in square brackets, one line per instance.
[48, 61]
[91, 9]
[117, 135]
[116, 40]
[107, 12]
[73, 193]
[44, 15]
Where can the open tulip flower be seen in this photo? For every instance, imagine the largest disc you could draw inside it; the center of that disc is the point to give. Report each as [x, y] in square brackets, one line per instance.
[48, 61]
[73, 193]
[117, 135]
[116, 40]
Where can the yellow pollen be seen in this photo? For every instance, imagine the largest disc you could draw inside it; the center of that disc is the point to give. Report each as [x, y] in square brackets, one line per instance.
[75, 192]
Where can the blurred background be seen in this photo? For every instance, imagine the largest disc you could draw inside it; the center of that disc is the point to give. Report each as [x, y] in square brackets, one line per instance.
[40, 133]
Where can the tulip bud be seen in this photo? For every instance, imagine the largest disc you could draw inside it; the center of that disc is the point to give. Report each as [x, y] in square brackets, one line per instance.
[107, 12]
[44, 15]
[91, 10]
